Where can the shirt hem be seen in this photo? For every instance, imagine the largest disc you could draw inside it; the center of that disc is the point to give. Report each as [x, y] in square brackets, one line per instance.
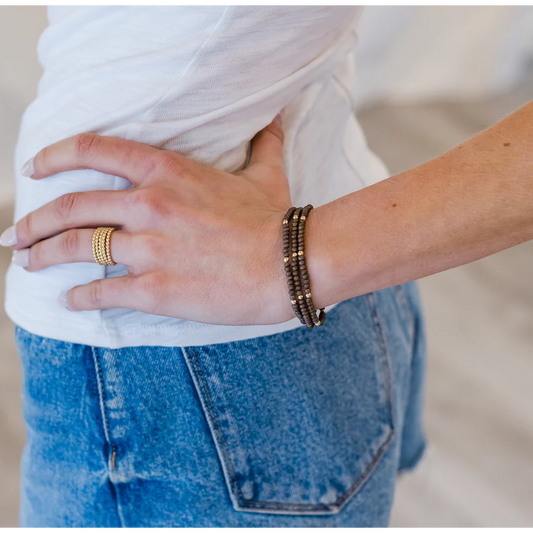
[103, 336]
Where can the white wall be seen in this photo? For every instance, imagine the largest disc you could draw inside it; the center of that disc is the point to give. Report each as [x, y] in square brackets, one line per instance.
[20, 28]
[412, 54]
[406, 54]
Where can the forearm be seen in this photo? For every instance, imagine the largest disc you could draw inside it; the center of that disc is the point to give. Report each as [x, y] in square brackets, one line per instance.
[204, 245]
[471, 202]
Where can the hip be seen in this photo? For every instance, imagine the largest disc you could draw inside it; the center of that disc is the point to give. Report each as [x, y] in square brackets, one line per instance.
[298, 428]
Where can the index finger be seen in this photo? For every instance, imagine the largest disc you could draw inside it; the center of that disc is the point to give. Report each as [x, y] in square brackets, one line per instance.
[131, 160]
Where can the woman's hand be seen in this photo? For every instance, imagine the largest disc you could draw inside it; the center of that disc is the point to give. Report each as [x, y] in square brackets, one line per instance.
[199, 244]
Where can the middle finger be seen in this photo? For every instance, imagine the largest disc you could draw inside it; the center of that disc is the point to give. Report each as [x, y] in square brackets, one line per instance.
[73, 210]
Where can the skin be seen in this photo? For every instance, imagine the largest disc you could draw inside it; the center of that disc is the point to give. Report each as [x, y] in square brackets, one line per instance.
[205, 245]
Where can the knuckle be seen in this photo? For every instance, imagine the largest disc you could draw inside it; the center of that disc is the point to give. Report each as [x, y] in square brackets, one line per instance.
[95, 293]
[153, 164]
[84, 144]
[25, 228]
[153, 204]
[138, 196]
[35, 259]
[70, 243]
[65, 206]
[164, 163]
[168, 161]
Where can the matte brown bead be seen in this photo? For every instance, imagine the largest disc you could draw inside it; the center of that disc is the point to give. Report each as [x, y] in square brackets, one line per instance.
[295, 267]
[297, 307]
[302, 267]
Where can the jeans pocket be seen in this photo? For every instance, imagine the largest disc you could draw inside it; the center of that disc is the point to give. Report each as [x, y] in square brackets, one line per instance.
[405, 310]
[300, 419]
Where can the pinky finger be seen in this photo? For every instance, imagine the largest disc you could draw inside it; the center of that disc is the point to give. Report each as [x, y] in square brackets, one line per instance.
[121, 292]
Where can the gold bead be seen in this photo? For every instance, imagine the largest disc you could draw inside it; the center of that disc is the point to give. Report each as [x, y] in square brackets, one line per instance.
[300, 252]
[293, 302]
[285, 222]
[295, 217]
[300, 297]
[295, 254]
[101, 246]
[303, 217]
[308, 295]
[286, 259]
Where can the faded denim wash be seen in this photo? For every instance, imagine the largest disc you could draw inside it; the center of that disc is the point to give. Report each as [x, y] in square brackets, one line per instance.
[302, 428]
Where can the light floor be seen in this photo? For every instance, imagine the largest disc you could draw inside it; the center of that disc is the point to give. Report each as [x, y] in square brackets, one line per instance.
[479, 410]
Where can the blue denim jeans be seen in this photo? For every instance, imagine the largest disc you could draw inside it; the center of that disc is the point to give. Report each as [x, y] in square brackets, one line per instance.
[303, 428]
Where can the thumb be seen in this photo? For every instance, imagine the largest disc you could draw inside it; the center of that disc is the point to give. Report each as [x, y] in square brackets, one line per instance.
[267, 145]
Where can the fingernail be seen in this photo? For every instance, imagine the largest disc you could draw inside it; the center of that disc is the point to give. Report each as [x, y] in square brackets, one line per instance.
[9, 237]
[28, 169]
[63, 300]
[278, 120]
[21, 258]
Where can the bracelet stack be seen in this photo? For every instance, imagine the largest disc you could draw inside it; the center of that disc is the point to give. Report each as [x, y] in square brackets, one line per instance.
[296, 269]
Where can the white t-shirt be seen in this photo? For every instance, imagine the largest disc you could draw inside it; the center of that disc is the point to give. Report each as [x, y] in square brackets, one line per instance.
[200, 81]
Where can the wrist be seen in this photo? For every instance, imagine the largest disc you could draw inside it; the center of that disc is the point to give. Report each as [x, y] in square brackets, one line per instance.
[320, 255]
[320, 260]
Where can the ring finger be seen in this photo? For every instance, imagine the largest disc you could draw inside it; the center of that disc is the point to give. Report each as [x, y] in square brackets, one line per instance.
[72, 246]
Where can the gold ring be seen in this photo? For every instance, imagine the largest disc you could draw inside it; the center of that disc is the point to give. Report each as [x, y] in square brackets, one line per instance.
[102, 246]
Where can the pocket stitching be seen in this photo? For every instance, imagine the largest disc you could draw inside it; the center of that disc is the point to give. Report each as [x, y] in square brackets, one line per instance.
[405, 303]
[241, 504]
[227, 464]
[386, 363]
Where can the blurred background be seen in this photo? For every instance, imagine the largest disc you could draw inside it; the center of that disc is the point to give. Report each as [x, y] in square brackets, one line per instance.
[429, 78]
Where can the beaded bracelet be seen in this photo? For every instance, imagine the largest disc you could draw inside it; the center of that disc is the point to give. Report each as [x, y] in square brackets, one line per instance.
[296, 268]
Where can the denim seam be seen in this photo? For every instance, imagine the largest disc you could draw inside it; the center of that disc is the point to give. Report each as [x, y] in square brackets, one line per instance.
[406, 304]
[107, 426]
[227, 464]
[385, 355]
[101, 387]
[213, 422]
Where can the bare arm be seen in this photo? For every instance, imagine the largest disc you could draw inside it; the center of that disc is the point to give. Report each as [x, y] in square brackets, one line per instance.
[473, 201]
[205, 245]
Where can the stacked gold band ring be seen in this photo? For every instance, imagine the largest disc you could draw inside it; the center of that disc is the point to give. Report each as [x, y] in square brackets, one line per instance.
[102, 246]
